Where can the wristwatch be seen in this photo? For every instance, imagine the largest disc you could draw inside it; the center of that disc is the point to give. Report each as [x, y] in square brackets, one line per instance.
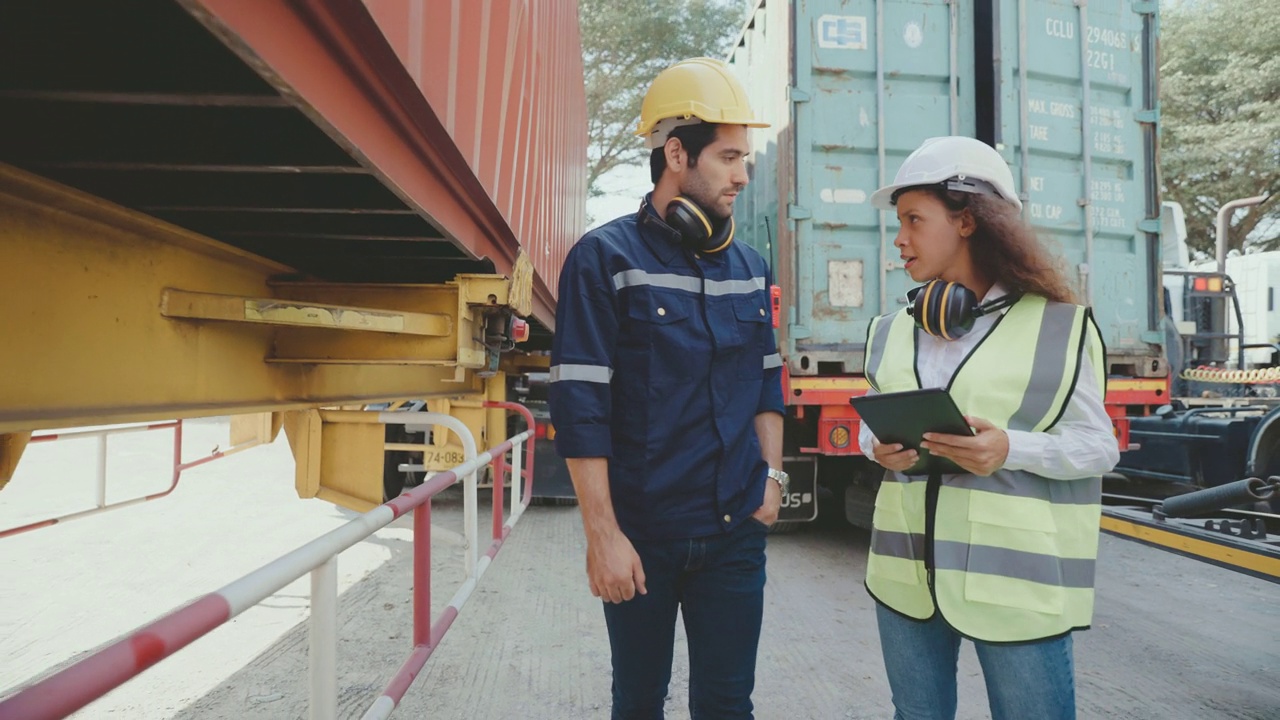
[784, 480]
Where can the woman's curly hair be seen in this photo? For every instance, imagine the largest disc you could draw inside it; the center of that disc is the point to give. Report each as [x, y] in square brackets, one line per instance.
[1005, 249]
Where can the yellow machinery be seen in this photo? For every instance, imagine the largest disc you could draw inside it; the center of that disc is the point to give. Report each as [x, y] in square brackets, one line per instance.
[113, 316]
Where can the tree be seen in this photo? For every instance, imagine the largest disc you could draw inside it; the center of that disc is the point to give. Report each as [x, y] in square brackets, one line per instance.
[625, 44]
[1220, 107]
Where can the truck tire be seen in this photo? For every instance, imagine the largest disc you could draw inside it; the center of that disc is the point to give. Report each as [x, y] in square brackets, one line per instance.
[393, 480]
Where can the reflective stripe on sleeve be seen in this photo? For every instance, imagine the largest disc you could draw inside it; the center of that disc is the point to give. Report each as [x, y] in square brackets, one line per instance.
[584, 373]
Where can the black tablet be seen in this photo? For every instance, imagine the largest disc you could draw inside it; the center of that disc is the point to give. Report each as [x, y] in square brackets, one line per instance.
[904, 417]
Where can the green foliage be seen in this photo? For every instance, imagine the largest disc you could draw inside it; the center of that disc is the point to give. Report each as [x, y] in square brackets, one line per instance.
[1220, 108]
[625, 44]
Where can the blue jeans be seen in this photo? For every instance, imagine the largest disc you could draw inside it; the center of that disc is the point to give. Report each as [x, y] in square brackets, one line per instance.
[717, 584]
[1026, 680]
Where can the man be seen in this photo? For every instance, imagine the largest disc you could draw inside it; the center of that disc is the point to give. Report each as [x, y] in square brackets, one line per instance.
[666, 398]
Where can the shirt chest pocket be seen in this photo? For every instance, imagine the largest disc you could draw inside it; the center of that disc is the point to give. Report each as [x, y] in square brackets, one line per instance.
[659, 337]
[753, 333]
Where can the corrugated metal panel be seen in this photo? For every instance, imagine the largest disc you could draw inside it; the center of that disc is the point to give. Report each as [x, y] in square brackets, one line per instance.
[869, 80]
[1088, 160]
[505, 77]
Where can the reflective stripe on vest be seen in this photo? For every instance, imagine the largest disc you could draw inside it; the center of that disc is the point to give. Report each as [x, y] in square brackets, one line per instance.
[1013, 552]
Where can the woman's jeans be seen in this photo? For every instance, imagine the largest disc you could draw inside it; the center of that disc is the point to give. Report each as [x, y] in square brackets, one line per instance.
[1025, 681]
[717, 584]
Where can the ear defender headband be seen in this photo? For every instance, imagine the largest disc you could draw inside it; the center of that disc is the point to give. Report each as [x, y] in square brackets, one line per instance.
[947, 310]
[697, 232]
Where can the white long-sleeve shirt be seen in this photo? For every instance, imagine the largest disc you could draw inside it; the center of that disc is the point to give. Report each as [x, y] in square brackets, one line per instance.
[1082, 444]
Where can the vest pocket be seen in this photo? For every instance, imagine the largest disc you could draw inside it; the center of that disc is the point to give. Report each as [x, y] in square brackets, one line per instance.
[1013, 557]
[893, 553]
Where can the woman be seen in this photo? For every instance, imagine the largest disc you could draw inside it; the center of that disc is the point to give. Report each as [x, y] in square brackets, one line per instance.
[1003, 553]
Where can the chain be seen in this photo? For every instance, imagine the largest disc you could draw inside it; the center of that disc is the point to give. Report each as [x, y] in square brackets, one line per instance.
[1254, 376]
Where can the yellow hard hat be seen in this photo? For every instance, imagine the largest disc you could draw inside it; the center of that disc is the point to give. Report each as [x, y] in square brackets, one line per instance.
[701, 88]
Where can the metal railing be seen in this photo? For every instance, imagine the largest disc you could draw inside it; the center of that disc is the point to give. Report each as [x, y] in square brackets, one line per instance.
[101, 465]
[86, 680]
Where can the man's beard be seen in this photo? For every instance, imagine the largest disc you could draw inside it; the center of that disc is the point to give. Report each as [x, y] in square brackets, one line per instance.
[699, 191]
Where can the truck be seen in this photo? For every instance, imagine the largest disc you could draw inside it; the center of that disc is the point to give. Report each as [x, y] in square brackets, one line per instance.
[1219, 425]
[1065, 91]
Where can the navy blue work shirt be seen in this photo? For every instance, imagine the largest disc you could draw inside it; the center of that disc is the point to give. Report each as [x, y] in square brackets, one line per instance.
[661, 360]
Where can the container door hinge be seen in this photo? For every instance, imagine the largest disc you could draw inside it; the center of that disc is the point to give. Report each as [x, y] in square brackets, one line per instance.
[796, 95]
[795, 212]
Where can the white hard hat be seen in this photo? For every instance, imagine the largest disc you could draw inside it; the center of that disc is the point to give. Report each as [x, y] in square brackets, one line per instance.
[962, 163]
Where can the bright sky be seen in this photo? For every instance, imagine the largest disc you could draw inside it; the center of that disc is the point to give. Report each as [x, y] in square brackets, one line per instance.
[624, 187]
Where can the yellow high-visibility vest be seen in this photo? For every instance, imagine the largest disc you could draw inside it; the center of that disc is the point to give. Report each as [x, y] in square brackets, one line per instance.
[1008, 557]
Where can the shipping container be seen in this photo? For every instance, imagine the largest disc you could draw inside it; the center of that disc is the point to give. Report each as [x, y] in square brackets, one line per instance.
[851, 88]
[391, 141]
[1065, 91]
[218, 207]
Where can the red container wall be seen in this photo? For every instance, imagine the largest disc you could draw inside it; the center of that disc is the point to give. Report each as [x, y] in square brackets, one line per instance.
[505, 79]
[471, 111]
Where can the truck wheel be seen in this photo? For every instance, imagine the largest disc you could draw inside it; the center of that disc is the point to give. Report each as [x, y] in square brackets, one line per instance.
[393, 480]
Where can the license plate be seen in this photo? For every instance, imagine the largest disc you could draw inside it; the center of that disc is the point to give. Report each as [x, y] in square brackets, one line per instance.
[800, 504]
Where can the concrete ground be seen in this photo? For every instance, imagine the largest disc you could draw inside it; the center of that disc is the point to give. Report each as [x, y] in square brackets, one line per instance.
[1173, 638]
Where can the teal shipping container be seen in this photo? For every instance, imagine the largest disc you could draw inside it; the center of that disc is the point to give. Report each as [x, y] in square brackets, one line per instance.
[1064, 89]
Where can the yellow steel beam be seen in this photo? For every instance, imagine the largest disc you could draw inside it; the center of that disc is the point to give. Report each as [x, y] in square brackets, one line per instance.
[11, 447]
[339, 453]
[829, 383]
[258, 428]
[517, 363]
[83, 339]
[452, 300]
[1217, 553]
[276, 311]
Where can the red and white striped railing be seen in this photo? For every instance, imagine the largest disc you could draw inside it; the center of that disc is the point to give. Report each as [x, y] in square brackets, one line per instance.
[102, 434]
[81, 683]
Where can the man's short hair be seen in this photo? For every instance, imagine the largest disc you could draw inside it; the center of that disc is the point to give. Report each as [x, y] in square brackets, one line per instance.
[695, 138]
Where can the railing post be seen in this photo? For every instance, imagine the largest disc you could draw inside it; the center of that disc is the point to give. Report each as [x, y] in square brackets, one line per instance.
[471, 522]
[499, 476]
[422, 575]
[324, 640]
[428, 420]
[102, 470]
[517, 482]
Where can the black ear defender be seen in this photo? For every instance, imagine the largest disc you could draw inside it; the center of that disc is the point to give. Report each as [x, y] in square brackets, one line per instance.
[697, 232]
[947, 309]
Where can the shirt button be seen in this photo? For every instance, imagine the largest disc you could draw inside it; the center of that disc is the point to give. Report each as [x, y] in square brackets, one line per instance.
[761, 312]
[662, 311]
[727, 518]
